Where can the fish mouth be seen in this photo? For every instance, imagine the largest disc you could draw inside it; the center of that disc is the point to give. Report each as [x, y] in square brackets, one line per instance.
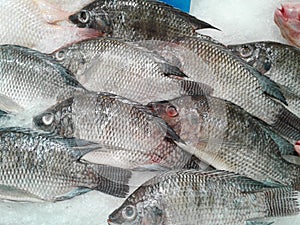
[281, 13]
[288, 11]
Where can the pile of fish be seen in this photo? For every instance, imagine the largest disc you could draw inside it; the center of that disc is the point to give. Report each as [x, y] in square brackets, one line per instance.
[91, 95]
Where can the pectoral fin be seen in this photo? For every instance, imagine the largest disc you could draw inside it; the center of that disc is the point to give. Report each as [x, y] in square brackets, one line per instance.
[8, 105]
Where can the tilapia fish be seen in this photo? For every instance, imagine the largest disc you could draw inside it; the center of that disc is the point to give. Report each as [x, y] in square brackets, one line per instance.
[113, 66]
[214, 198]
[228, 138]
[132, 135]
[137, 19]
[30, 79]
[38, 24]
[231, 79]
[287, 19]
[37, 166]
[278, 61]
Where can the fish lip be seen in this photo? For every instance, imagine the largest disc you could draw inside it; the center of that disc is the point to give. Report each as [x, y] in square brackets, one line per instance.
[281, 13]
[109, 222]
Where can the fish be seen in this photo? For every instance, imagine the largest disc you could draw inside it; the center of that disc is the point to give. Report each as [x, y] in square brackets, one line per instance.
[231, 78]
[130, 20]
[114, 66]
[287, 19]
[38, 166]
[38, 24]
[132, 135]
[192, 197]
[270, 58]
[32, 80]
[228, 138]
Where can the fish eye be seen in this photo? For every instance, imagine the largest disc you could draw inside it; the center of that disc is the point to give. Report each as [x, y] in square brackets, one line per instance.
[84, 16]
[129, 212]
[171, 111]
[60, 55]
[48, 119]
[246, 51]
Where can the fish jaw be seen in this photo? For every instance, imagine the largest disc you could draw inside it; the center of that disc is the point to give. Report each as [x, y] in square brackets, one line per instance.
[287, 19]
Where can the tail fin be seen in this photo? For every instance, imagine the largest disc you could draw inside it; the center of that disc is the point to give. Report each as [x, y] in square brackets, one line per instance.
[282, 202]
[287, 124]
[111, 180]
[195, 163]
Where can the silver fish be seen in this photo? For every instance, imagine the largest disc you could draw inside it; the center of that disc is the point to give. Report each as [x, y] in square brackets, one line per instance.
[113, 66]
[38, 24]
[133, 136]
[214, 198]
[228, 138]
[37, 166]
[278, 61]
[30, 79]
[231, 79]
[129, 19]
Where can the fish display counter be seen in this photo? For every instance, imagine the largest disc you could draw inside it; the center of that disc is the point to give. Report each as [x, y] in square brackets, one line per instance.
[85, 130]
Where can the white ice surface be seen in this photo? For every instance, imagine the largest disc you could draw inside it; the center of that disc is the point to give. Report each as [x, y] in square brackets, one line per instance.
[240, 21]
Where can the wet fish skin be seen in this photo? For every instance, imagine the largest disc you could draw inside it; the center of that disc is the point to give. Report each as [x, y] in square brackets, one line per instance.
[129, 19]
[114, 66]
[32, 79]
[231, 79]
[132, 135]
[203, 196]
[36, 166]
[287, 19]
[228, 138]
[38, 24]
[270, 58]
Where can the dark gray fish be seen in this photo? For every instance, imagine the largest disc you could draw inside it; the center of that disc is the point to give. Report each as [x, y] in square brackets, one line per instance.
[30, 79]
[228, 138]
[193, 197]
[137, 19]
[133, 136]
[278, 61]
[36, 166]
[110, 65]
[231, 79]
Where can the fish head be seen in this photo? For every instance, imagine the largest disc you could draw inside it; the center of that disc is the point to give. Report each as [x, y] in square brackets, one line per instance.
[258, 55]
[57, 119]
[94, 17]
[287, 19]
[75, 58]
[142, 212]
[185, 115]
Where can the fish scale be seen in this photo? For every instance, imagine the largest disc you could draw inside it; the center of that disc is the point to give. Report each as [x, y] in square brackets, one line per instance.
[34, 27]
[231, 79]
[128, 134]
[270, 59]
[210, 198]
[117, 67]
[228, 138]
[31, 79]
[137, 19]
[36, 167]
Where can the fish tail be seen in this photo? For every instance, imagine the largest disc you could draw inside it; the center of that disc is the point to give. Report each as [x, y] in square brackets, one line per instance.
[288, 124]
[110, 180]
[282, 202]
